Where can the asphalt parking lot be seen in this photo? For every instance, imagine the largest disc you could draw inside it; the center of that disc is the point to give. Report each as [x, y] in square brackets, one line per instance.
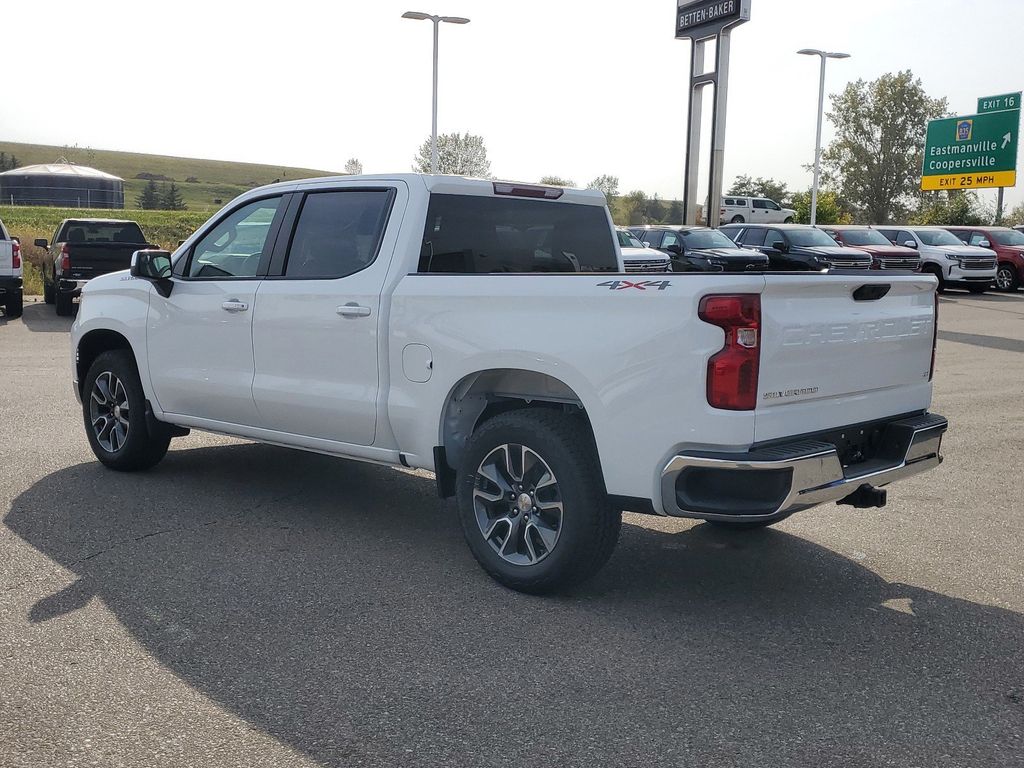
[244, 605]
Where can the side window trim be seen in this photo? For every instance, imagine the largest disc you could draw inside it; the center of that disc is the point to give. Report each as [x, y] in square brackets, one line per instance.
[271, 240]
[279, 260]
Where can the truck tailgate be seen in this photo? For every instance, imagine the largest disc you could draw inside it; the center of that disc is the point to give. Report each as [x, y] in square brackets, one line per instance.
[829, 359]
[89, 260]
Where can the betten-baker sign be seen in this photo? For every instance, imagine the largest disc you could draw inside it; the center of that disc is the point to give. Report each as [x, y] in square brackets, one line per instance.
[706, 18]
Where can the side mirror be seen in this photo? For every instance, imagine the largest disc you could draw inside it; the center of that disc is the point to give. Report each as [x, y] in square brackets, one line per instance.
[780, 246]
[155, 267]
[41, 243]
[910, 243]
[675, 248]
[15, 239]
[985, 244]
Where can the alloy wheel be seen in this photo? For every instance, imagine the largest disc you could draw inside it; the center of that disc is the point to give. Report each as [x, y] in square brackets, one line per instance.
[517, 504]
[109, 412]
[1004, 279]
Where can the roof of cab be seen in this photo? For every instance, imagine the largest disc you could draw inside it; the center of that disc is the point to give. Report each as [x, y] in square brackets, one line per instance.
[441, 184]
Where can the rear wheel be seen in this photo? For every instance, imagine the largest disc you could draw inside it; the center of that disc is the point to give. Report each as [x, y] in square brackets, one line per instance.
[1006, 278]
[114, 410]
[532, 501]
[65, 303]
[13, 307]
[737, 219]
[788, 220]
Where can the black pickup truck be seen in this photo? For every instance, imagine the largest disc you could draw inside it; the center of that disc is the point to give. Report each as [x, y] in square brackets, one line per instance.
[82, 249]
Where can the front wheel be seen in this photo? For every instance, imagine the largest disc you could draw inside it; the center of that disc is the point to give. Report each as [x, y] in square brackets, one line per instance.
[14, 306]
[48, 292]
[532, 501]
[114, 410]
[1006, 278]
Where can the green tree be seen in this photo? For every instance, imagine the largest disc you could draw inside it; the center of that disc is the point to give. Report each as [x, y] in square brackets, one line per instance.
[875, 158]
[954, 208]
[631, 208]
[830, 208]
[607, 184]
[149, 198]
[457, 154]
[557, 181]
[759, 187]
[1014, 217]
[654, 211]
[675, 213]
[172, 199]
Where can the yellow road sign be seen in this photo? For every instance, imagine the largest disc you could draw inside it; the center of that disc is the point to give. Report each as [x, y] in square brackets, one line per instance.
[970, 180]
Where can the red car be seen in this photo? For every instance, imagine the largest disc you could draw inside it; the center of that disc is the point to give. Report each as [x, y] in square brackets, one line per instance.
[884, 255]
[1009, 247]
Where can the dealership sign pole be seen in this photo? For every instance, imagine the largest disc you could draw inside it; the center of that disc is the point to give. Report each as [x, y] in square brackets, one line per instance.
[974, 151]
[700, 21]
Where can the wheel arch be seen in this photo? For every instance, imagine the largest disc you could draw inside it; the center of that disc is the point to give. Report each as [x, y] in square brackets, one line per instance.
[483, 394]
[93, 344]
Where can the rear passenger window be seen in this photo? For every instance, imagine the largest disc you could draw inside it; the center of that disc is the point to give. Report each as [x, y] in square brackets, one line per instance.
[467, 234]
[753, 237]
[761, 204]
[337, 233]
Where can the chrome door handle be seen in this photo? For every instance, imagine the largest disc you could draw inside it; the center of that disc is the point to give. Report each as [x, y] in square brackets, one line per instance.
[234, 305]
[353, 310]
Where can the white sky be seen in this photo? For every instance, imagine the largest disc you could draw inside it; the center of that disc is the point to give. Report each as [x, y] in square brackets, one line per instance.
[574, 88]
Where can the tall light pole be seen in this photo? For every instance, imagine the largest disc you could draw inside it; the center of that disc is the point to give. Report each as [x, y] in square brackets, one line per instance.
[821, 110]
[437, 21]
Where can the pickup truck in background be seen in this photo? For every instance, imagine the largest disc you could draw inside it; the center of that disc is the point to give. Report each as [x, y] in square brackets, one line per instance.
[11, 290]
[83, 249]
[486, 331]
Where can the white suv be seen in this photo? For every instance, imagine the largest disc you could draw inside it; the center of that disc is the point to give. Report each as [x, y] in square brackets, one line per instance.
[754, 210]
[944, 255]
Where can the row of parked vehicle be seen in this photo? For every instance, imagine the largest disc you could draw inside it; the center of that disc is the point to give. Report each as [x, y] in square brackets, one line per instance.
[971, 257]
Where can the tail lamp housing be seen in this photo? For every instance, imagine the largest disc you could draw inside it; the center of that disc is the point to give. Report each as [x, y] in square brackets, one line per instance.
[15, 255]
[733, 370]
[65, 258]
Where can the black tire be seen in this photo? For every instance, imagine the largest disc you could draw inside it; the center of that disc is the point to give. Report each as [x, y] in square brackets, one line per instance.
[737, 219]
[931, 269]
[1007, 279]
[144, 442]
[588, 527]
[14, 306]
[977, 289]
[788, 220]
[65, 304]
[48, 292]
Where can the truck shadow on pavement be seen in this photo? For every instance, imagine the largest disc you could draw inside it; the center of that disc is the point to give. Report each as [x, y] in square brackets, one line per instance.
[335, 606]
[41, 318]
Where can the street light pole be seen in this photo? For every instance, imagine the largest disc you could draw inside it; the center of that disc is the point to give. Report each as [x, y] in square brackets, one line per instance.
[418, 16]
[821, 111]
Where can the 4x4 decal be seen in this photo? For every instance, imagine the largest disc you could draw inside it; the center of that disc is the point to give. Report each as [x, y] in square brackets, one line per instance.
[640, 285]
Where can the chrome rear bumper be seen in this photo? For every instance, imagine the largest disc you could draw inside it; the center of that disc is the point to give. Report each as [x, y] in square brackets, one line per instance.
[777, 481]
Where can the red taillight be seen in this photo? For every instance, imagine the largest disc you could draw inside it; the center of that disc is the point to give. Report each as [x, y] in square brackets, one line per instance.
[65, 258]
[16, 255]
[935, 334]
[732, 372]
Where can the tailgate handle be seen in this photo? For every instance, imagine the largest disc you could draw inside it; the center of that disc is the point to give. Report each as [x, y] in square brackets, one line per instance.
[871, 292]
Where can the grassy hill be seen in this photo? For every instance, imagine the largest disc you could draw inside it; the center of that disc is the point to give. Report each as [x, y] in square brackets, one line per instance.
[214, 179]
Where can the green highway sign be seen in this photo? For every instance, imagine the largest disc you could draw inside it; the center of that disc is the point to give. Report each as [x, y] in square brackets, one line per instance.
[999, 103]
[972, 151]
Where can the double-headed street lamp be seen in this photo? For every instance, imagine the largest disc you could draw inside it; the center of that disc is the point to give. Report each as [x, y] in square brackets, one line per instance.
[821, 109]
[437, 21]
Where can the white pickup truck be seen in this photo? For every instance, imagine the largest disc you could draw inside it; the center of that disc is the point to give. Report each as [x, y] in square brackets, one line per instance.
[486, 331]
[11, 288]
